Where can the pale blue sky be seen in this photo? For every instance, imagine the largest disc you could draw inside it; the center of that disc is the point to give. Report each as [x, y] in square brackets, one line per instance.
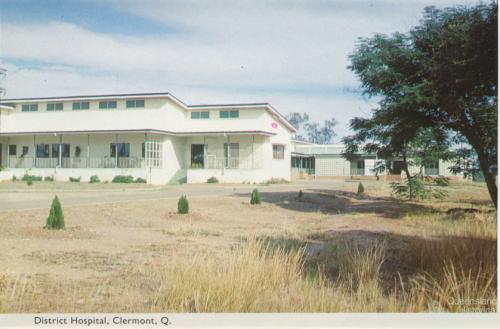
[292, 54]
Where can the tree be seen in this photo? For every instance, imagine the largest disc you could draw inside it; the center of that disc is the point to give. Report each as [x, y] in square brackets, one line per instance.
[441, 75]
[320, 134]
[314, 132]
[55, 221]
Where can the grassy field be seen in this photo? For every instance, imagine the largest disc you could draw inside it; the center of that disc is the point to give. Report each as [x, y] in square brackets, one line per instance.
[330, 251]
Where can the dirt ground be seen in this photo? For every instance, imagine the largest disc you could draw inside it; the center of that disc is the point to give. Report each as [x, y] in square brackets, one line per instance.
[104, 238]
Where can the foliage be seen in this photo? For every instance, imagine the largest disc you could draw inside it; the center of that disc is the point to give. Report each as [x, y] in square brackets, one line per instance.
[274, 180]
[212, 180]
[94, 179]
[442, 181]
[140, 180]
[314, 133]
[55, 221]
[75, 179]
[32, 178]
[361, 188]
[255, 197]
[441, 76]
[29, 181]
[123, 179]
[14, 178]
[414, 188]
[48, 178]
[183, 205]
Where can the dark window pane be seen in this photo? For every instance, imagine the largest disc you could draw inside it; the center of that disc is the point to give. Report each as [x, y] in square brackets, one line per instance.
[25, 150]
[12, 149]
[55, 150]
[197, 151]
[205, 115]
[76, 106]
[50, 107]
[112, 105]
[25, 108]
[42, 150]
[85, 105]
[224, 114]
[103, 105]
[234, 114]
[59, 106]
[130, 104]
[139, 103]
[34, 107]
[195, 115]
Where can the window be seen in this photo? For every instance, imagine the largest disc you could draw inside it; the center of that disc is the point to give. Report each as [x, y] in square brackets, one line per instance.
[360, 164]
[123, 150]
[65, 150]
[42, 150]
[107, 105]
[29, 108]
[232, 155]
[278, 151]
[12, 149]
[197, 155]
[229, 114]
[134, 103]
[200, 115]
[55, 107]
[25, 150]
[143, 152]
[81, 106]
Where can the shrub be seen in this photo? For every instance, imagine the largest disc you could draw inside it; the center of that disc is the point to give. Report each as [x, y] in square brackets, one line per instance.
[274, 180]
[442, 181]
[94, 179]
[74, 179]
[123, 179]
[48, 178]
[29, 181]
[140, 180]
[55, 221]
[14, 178]
[212, 180]
[255, 197]
[414, 188]
[361, 188]
[183, 205]
[33, 178]
[301, 194]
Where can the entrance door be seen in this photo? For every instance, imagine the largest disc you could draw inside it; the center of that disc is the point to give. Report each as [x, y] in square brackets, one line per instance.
[197, 155]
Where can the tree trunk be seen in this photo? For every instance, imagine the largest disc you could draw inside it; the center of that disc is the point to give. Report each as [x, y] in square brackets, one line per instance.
[408, 175]
[489, 177]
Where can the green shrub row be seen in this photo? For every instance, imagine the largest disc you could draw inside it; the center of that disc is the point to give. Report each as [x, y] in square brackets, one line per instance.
[127, 179]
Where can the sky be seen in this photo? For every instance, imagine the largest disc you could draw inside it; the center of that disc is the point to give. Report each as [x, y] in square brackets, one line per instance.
[292, 54]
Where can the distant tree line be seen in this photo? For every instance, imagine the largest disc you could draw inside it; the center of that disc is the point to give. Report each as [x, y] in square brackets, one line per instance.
[312, 132]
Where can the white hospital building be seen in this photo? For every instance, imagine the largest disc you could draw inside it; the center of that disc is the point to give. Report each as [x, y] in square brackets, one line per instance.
[157, 137]
[154, 136]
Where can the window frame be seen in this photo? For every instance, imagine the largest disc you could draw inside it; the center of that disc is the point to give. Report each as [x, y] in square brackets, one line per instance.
[14, 147]
[52, 107]
[78, 106]
[118, 149]
[29, 108]
[278, 152]
[133, 103]
[107, 103]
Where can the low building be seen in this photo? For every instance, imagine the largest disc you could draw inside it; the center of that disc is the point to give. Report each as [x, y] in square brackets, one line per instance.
[154, 136]
[319, 160]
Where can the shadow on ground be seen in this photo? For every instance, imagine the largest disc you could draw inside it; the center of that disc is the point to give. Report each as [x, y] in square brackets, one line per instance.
[341, 202]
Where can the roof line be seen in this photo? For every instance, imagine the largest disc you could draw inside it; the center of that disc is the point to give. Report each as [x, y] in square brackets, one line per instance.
[88, 96]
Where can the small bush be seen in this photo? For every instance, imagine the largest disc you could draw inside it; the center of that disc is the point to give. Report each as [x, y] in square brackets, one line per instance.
[183, 205]
[274, 180]
[33, 178]
[55, 221]
[442, 181]
[48, 178]
[140, 180]
[75, 179]
[301, 194]
[14, 178]
[361, 188]
[255, 197]
[29, 181]
[94, 179]
[123, 179]
[212, 180]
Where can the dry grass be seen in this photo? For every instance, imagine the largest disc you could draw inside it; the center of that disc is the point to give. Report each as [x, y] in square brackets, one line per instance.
[273, 259]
